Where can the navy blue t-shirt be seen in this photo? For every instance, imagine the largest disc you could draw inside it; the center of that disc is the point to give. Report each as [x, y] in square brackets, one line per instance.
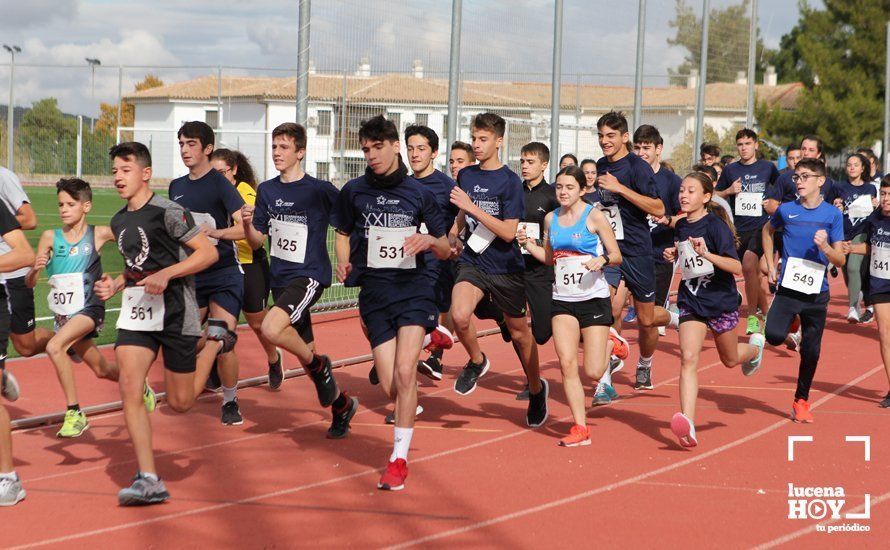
[784, 190]
[877, 230]
[408, 204]
[213, 195]
[308, 202]
[848, 193]
[667, 184]
[757, 177]
[709, 296]
[636, 174]
[440, 185]
[800, 224]
[498, 193]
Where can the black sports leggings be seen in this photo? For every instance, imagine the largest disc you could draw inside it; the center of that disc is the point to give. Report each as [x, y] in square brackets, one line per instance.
[812, 310]
[4, 325]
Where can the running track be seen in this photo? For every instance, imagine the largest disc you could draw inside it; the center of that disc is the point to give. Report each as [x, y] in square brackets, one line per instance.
[478, 476]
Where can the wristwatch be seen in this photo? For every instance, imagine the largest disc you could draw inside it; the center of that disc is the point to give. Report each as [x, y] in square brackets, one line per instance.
[605, 257]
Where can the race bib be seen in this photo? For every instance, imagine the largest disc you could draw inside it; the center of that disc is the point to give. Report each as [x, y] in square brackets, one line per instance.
[861, 207]
[749, 204]
[804, 276]
[532, 231]
[288, 240]
[208, 220]
[141, 311]
[880, 262]
[66, 295]
[572, 278]
[692, 265]
[480, 238]
[614, 216]
[386, 247]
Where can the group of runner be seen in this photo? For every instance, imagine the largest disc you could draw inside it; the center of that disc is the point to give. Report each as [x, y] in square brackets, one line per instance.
[429, 252]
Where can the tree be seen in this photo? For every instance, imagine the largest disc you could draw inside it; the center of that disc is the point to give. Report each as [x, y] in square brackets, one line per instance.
[838, 52]
[727, 42]
[107, 121]
[681, 155]
[49, 137]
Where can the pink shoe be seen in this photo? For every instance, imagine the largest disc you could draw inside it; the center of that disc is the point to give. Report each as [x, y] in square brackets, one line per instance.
[684, 430]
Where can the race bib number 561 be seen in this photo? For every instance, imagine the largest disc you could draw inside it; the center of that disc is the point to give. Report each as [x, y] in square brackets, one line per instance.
[141, 311]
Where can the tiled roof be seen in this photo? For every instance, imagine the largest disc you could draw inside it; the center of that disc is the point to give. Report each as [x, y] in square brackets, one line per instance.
[406, 89]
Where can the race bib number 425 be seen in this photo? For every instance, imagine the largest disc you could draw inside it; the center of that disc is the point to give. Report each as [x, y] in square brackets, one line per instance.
[288, 240]
[141, 311]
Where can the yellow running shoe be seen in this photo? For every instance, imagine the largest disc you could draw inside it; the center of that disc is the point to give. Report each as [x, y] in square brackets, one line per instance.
[74, 425]
[148, 396]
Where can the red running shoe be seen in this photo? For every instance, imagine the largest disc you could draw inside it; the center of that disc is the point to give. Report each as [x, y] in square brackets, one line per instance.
[800, 412]
[620, 347]
[393, 479]
[439, 338]
[795, 324]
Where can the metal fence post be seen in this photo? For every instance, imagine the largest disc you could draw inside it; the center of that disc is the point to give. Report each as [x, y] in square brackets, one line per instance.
[454, 72]
[886, 151]
[120, 101]
[752, 71]
[556, 82]
[638, 76]
[303, 65]
[703, 79]
[79, 169]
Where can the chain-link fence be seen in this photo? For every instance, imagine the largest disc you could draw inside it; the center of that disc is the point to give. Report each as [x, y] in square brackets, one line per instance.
[394, 61]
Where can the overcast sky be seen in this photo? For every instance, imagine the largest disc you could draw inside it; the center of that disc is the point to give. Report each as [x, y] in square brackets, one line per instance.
[509, 38]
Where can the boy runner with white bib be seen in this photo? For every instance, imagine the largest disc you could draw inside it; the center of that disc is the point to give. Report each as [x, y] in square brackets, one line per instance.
[162, 248]
[70, 256]
[380, 248]
[576, 235]
[294, 210]
[813, 239]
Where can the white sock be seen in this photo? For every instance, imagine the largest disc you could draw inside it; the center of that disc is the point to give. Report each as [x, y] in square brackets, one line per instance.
[150, 475]
[675, 319]
[229, 393]
[645, 362]
[607, 377]
[401, 443]
[9, 475]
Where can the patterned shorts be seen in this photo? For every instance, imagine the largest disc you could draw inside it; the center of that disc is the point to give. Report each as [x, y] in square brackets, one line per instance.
[722, 323]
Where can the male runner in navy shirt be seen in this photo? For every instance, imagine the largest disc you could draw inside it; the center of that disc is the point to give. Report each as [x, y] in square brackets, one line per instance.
[380, 248]
[813, 238]
[627, 195]
[745, 185]
[213, 202]
[490, 198]
[294, 210]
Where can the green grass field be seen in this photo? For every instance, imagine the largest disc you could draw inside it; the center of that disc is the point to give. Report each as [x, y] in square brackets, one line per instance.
[105, 204]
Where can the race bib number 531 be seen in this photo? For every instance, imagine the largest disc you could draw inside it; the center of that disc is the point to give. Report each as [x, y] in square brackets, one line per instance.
[386, 247]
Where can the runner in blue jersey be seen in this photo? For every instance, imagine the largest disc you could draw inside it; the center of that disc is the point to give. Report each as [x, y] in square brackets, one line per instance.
[648, 145]
[380, 248]
[579, 242]
[813, 239]
[422, 146]
[215, 206]
[876, 248]
[856, 198]
[628, 196]
[745, 184]
[705, 252]
[491, 201]
[294, 210]
[17, 255]
[70, 256]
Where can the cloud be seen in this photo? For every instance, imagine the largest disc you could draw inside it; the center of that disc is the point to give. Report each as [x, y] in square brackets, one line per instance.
[18, 14]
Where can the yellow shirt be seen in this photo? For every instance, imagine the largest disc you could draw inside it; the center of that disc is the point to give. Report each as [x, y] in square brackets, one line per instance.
[245, 253]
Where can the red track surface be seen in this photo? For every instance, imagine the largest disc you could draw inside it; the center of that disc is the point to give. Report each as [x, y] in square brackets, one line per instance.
[478, 475]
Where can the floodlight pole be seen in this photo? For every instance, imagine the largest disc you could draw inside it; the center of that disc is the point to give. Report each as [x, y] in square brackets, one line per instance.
[303, 65]
[454, 73]
[556, 82]
[703, 79]
[638, 77]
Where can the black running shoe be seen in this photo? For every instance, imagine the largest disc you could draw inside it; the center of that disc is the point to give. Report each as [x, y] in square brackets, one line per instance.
[213, 382]
[430, 367]
[505, 331]
[886, 402]
[523, 395]
[276, 374]
[325, 384]
[833, 271]
[231, 414]
[866, 316]
[537, 406]
[466, 382]
[644, 379]
[372, 376]
[340, 424]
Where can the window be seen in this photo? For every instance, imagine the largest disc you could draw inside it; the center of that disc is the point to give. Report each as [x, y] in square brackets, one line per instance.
[396, 119]
[324, 123]
[212, 118]
[422, 119]
[322, 170]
